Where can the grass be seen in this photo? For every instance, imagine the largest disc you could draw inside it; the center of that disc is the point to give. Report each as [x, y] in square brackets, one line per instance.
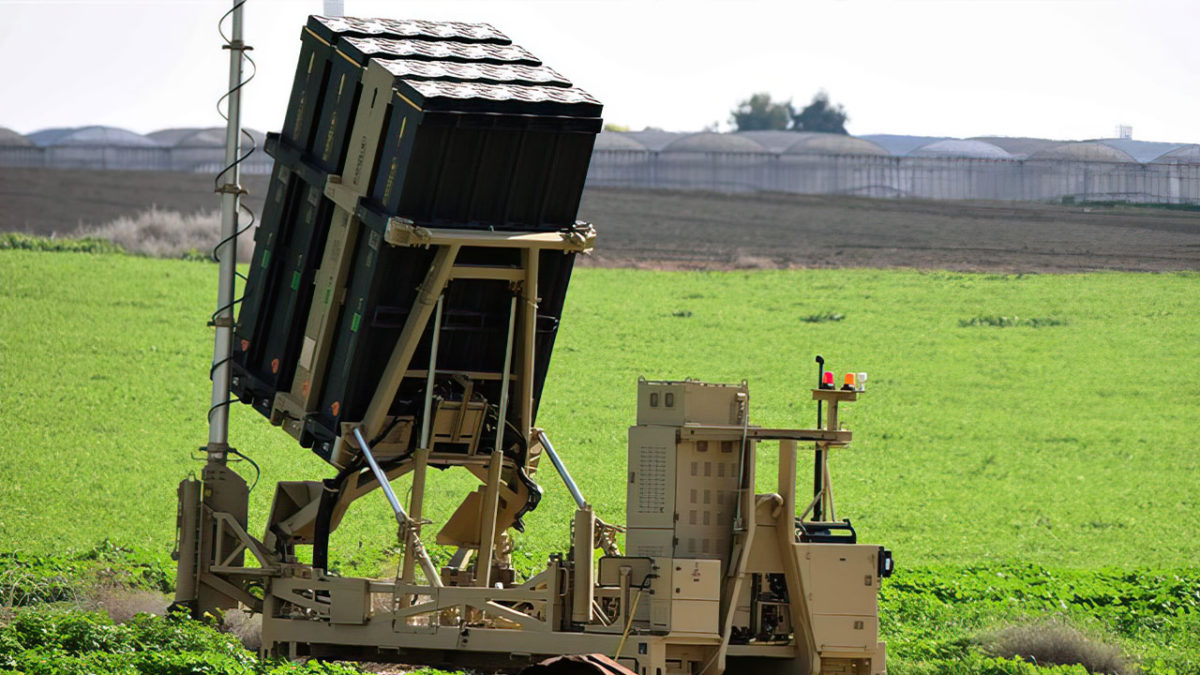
[1069, 444]
[981, 442]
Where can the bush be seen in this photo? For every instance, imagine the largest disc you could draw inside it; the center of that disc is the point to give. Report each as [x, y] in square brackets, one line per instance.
[1010, 321]
[170, 234]
[28, 242]
[62, 641]
[1054, 641]
[30, 579]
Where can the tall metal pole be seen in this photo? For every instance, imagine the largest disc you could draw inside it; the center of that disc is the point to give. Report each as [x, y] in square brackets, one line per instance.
[226, 252]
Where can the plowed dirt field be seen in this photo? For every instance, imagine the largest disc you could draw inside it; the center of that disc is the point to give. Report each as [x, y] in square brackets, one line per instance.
[692, 230]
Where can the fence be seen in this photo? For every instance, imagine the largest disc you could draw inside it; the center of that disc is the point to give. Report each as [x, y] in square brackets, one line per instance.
[188, 159]
[863, 175]
[882, 176]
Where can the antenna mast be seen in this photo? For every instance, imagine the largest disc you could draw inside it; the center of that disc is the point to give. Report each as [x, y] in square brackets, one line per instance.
[229, 186]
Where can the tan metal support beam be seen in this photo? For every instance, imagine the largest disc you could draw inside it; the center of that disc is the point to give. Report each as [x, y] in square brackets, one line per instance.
[583, 586]
[834, 437]
[486, 273]
[406, 344]
[491, 500]
[469, 374]
[403, 232]
[802, 630]
[529, 307]
[187, 544]
[416, 507]
[225, 588]
[787, 479]
[831, 423]
[743, 543]
[266, 558]
[416, 502]
[487, 529]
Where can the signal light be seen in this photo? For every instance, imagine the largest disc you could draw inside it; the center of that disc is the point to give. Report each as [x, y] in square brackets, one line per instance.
[827, 379]
[848, 381]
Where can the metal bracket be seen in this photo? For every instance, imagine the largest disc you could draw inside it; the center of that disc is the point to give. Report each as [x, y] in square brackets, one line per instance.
[230, 189]
[341, 194]
[404, 232]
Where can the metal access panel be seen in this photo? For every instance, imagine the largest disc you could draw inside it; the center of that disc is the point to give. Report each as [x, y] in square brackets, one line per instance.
[650, 496]
[706, 485]
[649, 542]
[843, 585]
[695, 579]
[682, 402]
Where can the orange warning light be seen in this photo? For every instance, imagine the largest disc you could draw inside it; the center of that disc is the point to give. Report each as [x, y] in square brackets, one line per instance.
[849, 381]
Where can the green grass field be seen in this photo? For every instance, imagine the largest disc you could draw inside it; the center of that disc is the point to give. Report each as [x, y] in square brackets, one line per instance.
[1009, 420]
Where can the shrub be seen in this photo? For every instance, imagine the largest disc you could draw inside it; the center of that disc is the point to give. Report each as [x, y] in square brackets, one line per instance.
[62, 641]
[28, 242]
[1010, 321]
[170, 234]
[1054, 641]
[823, 318]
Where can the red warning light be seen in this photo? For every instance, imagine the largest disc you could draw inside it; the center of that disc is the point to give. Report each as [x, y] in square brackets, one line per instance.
[827, 378]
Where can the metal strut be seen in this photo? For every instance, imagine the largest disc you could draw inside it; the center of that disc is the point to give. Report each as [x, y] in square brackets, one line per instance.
[406, 523]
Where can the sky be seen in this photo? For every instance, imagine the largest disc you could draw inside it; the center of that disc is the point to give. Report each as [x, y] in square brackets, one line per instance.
[1068, 70]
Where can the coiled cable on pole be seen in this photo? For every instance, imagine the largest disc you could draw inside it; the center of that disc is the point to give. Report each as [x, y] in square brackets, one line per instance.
[253, 145]
[225, 252]
[227, 181]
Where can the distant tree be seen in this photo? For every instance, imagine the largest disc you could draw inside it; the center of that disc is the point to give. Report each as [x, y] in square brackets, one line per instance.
[609, 126]
[821, 116]
[760, 112]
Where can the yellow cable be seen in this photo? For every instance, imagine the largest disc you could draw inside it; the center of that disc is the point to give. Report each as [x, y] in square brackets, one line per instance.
[628, 625]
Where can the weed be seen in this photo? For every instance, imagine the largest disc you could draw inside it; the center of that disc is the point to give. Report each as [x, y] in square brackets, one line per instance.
[1057, 642]
[169, 234]
[823, 318]
[1010, 321]
[64, 641]
[29, 242]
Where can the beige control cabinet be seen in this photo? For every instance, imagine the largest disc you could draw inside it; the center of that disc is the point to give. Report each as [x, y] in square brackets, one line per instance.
[683, 469]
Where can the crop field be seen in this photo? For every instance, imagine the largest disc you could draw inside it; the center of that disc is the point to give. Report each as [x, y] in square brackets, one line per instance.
[1026, 445]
